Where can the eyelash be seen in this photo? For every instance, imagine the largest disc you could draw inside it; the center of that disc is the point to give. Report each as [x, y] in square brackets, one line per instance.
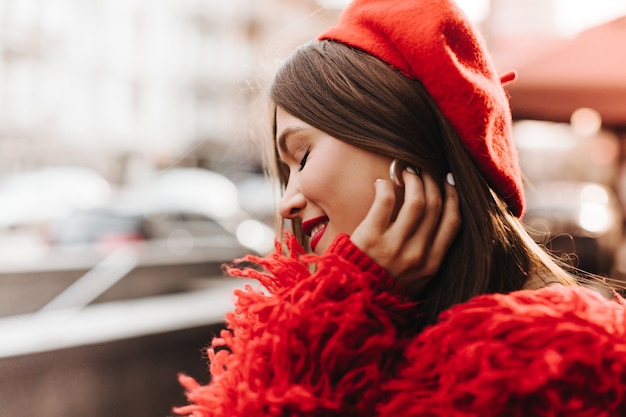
[304, 158]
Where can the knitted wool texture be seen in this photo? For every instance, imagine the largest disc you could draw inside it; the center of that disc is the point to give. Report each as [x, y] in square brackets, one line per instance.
[341, 342]
[434, 42]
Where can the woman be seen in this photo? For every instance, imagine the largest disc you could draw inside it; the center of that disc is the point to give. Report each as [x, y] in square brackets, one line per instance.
[491, 253]
[423, 294]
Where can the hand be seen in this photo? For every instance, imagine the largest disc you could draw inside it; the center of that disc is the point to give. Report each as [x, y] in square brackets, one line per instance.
[412, 245]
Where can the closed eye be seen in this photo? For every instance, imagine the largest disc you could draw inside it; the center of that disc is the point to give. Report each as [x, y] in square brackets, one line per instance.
[304, 158]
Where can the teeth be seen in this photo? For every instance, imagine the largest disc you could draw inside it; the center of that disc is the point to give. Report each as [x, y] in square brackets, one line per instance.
[318, 227]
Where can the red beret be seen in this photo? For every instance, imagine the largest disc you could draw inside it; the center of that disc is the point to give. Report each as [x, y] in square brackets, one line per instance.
[434, 42]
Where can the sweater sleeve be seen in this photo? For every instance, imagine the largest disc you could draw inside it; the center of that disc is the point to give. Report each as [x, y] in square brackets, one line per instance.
[341, 341]
[343, 247]
[313, 341]
[556, 351]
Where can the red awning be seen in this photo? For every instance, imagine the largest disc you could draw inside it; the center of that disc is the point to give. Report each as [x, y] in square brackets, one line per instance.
[586, 71]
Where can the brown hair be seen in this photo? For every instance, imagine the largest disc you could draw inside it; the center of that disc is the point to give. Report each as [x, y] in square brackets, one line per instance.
[359, 99]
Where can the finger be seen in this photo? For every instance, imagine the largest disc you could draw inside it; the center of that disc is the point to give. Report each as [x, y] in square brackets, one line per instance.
[423, 239]
[412, 210]
[421, 242]
[449, 225]
[380, 213]
[431, 250]
[434, 205]
[430, 214]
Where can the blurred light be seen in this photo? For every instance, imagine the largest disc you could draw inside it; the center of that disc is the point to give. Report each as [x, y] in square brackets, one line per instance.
[595, 194]
[594, 215]
[256, 236]
[533, 135]
[594, 218]
[586, 121]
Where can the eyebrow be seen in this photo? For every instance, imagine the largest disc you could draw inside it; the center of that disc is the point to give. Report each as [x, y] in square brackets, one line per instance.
[282, 139]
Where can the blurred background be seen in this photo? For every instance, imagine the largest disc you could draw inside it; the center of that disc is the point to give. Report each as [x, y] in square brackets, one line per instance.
[131, 152]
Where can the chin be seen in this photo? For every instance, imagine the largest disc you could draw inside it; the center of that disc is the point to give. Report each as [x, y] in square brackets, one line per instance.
[323, 245]
[320, 249]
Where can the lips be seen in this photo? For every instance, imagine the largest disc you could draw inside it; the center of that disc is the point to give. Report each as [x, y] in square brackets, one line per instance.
[315, 228]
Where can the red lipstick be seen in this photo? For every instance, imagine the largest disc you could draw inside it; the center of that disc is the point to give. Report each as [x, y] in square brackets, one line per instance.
[309, 225]
[315, 239]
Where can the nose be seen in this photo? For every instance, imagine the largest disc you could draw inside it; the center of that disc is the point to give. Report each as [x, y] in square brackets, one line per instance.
[292, 202]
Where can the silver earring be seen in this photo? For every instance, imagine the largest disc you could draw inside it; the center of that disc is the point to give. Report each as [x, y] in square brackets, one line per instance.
[395, 172]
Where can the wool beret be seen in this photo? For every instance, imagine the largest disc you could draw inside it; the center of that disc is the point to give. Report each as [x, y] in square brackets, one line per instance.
[434, 42]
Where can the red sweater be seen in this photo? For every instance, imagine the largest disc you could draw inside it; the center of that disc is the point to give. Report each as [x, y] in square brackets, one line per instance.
[340, 342]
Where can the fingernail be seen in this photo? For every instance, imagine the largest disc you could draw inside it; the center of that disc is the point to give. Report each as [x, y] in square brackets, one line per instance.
[450, 179]
[411, 170]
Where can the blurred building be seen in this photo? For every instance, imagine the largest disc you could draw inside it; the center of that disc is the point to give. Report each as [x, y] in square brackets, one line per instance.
[126, 85]
[120, 84]
[129, 87]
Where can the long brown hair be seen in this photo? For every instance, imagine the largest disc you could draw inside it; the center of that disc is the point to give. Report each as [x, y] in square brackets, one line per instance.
[359, 99]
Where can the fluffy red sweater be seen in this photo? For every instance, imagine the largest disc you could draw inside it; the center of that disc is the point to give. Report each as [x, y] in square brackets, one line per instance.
[342, 342]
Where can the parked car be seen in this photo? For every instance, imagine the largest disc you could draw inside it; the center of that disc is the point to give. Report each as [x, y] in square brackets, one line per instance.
[185, 206]
[49, 193]
[113, 226]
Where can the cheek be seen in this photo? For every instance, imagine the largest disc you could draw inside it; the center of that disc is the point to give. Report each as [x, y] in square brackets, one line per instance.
[345, 192]
[322, 175]
[321, 182]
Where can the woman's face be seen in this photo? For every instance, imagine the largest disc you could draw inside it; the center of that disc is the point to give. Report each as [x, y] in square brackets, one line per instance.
[331, 183]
